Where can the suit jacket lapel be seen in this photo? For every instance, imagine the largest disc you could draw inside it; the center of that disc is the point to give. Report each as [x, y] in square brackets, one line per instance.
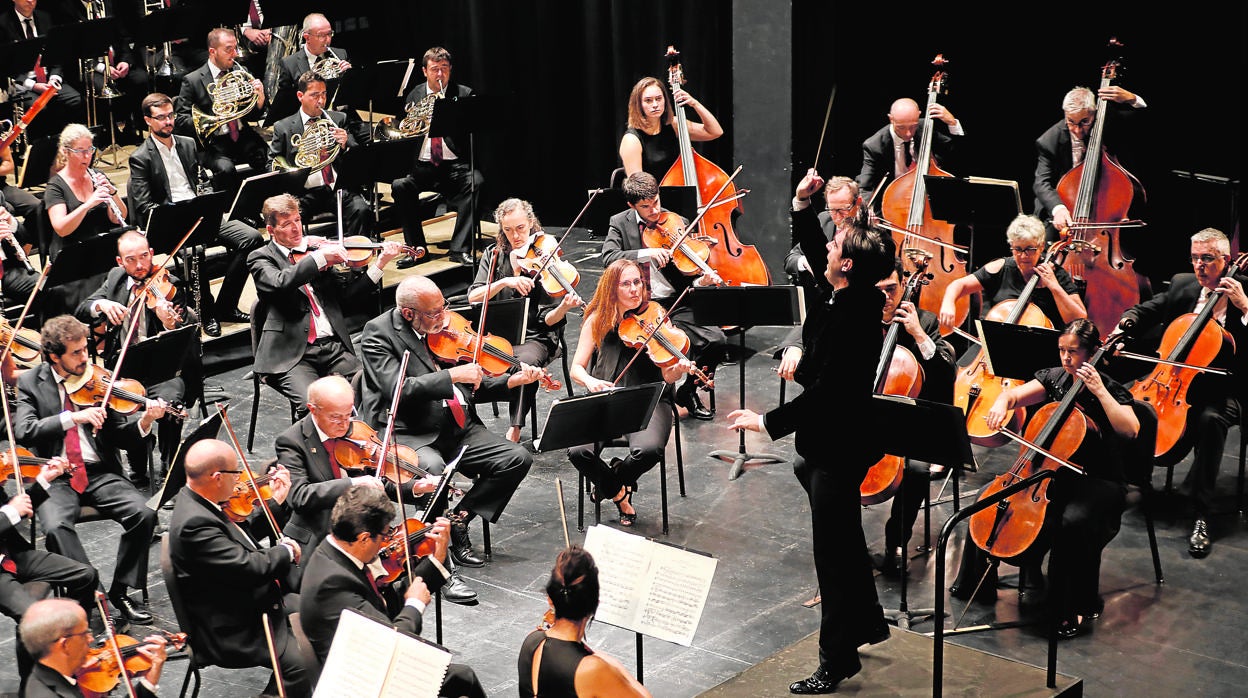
[320, 458]
[404, 332]
[358, 573]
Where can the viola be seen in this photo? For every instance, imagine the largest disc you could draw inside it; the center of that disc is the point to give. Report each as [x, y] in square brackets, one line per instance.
[920, 236]
[247, 495]
[127, 395]
[27, 468]
[544, 260]
[737, 264]
[357, 451]
[665, 343]
[101, 674]
[27, 346]
[457, 342]
[689, 252]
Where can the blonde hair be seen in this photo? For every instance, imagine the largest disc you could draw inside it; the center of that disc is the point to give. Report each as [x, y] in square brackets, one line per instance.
[69, 134]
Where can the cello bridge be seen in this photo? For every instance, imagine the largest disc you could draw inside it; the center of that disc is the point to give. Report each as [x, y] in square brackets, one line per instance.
[918, 256]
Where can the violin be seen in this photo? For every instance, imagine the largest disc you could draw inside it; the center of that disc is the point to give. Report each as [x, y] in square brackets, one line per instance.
[127, 395]
[101, 674]
[27, 346]
[27, 468]
[247, 495]
[457, 342]
[665, 343]
[361, 251]
[689, 252]
[392, 554]
[357, 451]
[158, 288]
[544, 261]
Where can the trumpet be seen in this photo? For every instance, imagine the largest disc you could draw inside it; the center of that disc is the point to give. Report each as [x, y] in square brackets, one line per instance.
[233, 97]
[315, 148]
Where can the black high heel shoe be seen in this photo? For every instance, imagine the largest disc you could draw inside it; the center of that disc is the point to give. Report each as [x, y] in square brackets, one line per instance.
[625, 519]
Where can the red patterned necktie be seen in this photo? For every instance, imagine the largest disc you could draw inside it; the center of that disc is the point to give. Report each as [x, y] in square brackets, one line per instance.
[435, 150]
[372, 582]
[457, 409]
[327, 172]
[7, 563]
[316, 309]
[333, 462]
[73, 451]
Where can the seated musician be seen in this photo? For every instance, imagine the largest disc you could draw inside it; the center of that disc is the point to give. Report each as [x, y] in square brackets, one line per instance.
[229, 145]
[559, 655]
[1084, 510]
[343, 574]
[648, 144]
[227, 580]
[625, 241]
[443, 165]
[20, 202]
[109, 308]
[49, 423]
[307, 126]
[1056, 294]
[600, 357]
[437, 414]
[302, 332]
[17, 279]
[81, 202]
[57, 633]
[21, 563]
[920, 336]
[890, 152]
[164, 170]
[1215, 402]
[518, 228]
[29, 82]
[317, 34]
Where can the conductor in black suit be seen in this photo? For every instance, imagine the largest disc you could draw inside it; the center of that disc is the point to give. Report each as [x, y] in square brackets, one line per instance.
[321, 186]
[302, 334]
[317, 35]
[436, 413]
[24, 22]
[163, 171]
[232, 144]
[47, 423]
[442, 165]
[342, 574]
[890, 152]
[226, 580]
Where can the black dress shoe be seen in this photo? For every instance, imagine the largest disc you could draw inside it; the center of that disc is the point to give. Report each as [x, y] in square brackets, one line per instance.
[1071, 628]
[461, 546]
[820, 682]
[129, 610]
[689, 400]
[1198, 544]
[878, 633]
[406, 262]
[463, 259]
[457, 591]
[212, 328]
[235, 315]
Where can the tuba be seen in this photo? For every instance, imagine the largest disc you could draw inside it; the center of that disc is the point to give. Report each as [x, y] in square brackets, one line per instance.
[315, 148]
[283, 44]
[233, 96]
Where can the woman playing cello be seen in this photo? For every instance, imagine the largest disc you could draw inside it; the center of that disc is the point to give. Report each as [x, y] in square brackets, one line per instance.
[649, 145]
[600, 357]
[1084, 510]
[518, 231]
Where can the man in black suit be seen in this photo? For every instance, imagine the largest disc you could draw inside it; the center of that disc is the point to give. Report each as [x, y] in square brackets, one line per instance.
[342, 574]
[891, 151]
[1215, 402]
[829, 419]
[317, 35]
[321, 186]
[17, 280]
[436, 414]
[163, 171]
[49, 424]
[442, 165]
[56, 631]
[231, 144]
[302, 334]
[625, 241]
[227, 581]
[30, 82]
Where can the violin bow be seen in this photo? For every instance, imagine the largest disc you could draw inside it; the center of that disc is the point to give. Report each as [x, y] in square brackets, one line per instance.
[338, 204]
[277, 666]
[251, 476]
[485, 307]
[827, 116]
[666, 313]
[385, 448]
[100, 603]
[563, 514]
[21, 319]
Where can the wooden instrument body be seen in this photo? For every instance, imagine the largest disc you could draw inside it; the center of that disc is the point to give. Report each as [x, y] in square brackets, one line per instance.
[905, 377]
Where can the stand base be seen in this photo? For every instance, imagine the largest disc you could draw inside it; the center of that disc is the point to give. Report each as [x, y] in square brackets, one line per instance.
[904, 619]
[740, 458]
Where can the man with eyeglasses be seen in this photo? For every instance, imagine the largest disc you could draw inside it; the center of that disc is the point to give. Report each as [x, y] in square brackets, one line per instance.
[1215, 402]
[164, 170]
[317, 35]
[436, 413]
[301, 333]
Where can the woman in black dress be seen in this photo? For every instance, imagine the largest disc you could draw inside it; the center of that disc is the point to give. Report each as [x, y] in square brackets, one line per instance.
[80, 201]
[650, 143]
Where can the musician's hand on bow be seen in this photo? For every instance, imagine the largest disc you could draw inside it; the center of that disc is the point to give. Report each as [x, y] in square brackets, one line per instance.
[94, 416]
[1061, 217]
[522, 285]
[527, 374]
[54, 468]
[468, 374]
[948, 315]
[418, 591]
[659, 255]
[570, 301]
[293, 546]
[938, 111]
[112, 310]
[743, 420]
[711, 278]
[1234, 291]
[999, 414]
[279, 482]
[22, 505]
[810, 184]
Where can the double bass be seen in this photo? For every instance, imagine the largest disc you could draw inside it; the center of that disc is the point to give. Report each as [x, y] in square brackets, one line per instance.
[736, 264]
[906, 211]
[1098, 192]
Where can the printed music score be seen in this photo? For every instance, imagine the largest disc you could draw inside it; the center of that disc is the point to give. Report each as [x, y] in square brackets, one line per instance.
[372, 660]
[649, 587]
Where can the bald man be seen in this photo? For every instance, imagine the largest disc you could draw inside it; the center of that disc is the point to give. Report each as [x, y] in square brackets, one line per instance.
[215, 559]
[891, 151]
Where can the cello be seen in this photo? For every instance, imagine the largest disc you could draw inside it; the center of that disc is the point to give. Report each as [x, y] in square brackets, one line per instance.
[736, 264]
[1098, 192]
[907, 212]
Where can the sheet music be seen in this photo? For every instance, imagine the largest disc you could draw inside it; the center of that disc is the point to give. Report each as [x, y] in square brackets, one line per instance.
[372, 660]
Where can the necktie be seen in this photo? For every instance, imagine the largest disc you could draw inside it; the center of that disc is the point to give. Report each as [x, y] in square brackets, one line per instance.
[899, 158]
[372, 582]
[435, 150]
[253, 14]
[316, 309]
[41, 73]
[233, 127]
[7, 563]
[28, 26]
[457, 409]
[73, 452]
[333, 462]
[140, 317]
[327, 172]
[1077, 150]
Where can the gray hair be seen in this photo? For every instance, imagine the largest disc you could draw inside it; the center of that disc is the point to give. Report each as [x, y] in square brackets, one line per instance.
[1079, 99]
[1025, 228]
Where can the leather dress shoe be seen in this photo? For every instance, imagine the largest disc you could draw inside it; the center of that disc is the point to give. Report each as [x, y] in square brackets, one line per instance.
[212, 328]
[889, 564]
[878, 633]
[1198, 544]
[406, 262]
[461, 546]
[820, 682]
[1072, 627]
[457, 591]
[235, 315]
[129, 610]
[462, 258]
[689, 400]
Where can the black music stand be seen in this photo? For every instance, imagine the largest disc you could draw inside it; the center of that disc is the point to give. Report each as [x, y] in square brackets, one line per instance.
[975, 202]
[508, 319]
[682, 199]
[389, 83]
[175, 476]
[746, 307]
[598, 417]
[78, 269]
[935, 433]
[470, 114]
[168, 223]
[158, 358]
[1018, 351]
[206, 15]
[38, 161]
[254, 190]
[20, 54]
[379, 161]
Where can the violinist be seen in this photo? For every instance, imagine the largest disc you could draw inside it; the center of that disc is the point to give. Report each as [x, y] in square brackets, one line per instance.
[437, 414]
[830, 418]
[1056, 294]
[891, 151]
[650, 144]
[1084, 510]
[600, 357]
[518, 231]
[1064, 144]
[342, 574]
[625, 234]
[227, 579]
[49, 423]
[56, 632]
[81, 202]
[1215, 402]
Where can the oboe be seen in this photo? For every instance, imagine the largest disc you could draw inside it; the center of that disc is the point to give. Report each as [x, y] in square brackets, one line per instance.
[100, 179]
[6, 219]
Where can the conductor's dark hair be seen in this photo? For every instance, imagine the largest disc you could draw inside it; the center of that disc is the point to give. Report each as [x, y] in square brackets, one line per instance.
[573, 585]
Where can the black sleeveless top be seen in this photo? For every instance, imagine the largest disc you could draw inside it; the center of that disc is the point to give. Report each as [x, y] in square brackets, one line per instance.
[659, 151]
[613, 355]
[556, 675]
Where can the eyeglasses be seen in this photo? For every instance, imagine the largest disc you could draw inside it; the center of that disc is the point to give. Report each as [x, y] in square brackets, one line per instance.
[85, 633]
[82, 151]
[436, 313]
[1025, 250]
[322, 34]
[161, 117]
[631, 283]
[1205, 258]
[231, 472]
[840, 209]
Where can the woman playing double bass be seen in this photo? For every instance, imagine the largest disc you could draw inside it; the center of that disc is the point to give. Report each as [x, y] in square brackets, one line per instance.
[1084, 510]
[650, 143]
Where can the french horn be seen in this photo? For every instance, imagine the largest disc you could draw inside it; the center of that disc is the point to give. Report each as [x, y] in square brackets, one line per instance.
[233, 97]
[315, 148]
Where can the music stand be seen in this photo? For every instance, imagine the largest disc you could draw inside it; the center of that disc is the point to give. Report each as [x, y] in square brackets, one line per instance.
[682, 199]
[1017, 351]
[175, 476]
[508, 319]
[168, 223]
[470, 114]
[598, 417]
[973, 201]
[38, 161]
[376, 161]
[390, 82]
[22, 53]
[745, 307]
[158, 358]
[254, 190]
[89, 39]
[77, 270]
[935, 433]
